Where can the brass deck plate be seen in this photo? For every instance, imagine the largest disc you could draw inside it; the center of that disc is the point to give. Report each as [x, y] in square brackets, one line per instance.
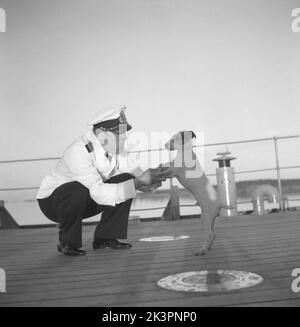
[210, 281]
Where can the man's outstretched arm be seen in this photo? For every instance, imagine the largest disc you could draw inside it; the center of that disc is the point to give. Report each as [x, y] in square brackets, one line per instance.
[152, 176]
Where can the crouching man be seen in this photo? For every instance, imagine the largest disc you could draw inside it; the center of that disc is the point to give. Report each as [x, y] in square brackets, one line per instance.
[96, 175]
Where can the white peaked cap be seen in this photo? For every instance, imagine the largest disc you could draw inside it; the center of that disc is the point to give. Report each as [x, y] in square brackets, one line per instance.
[107, 113]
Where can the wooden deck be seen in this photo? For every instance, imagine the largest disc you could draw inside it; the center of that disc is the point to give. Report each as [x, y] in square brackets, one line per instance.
[38, 276]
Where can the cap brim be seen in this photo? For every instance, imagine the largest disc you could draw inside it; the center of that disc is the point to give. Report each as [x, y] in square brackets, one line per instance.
[117, 129]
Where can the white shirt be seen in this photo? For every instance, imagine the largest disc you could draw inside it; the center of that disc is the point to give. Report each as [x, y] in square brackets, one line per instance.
[92, 169]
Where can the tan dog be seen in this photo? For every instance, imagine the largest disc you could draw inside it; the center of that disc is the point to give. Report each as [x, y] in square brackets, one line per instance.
[190, 174]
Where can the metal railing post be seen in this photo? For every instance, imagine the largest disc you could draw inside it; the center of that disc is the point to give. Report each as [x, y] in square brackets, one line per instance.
[275, 138]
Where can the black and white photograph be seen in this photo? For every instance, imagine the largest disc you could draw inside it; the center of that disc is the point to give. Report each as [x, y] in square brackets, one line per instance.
[149, 156]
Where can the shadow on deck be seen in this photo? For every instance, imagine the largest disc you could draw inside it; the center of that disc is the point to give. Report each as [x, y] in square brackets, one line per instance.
[38, 276]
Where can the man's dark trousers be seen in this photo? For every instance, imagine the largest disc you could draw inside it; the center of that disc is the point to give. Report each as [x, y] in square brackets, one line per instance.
[71, 202]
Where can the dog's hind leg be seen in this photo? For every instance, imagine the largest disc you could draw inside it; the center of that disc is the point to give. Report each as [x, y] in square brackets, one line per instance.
[208, 218]
[213, 231]
[208, 235]
[207, 198]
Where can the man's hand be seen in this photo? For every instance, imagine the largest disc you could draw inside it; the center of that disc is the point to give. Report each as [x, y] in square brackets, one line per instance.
[157, 175]
[152, 176]
[150, 188]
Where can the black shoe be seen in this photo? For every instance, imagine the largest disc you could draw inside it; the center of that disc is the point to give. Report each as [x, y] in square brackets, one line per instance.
[99, 244]
[69, 250]
[110, 243]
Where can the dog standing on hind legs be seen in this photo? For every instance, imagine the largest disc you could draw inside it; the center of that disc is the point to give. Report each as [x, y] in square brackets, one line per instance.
[190, 175]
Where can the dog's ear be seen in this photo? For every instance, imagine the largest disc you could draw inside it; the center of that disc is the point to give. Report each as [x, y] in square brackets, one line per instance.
[193, 135]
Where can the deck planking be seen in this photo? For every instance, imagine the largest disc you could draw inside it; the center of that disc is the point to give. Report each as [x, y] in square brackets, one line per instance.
[267, 245]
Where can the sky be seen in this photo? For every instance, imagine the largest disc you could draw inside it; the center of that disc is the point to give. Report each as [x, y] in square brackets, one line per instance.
[229, 70]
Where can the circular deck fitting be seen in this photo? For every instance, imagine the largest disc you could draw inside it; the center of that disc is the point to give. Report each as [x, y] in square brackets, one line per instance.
[163, 238]
[210, 281]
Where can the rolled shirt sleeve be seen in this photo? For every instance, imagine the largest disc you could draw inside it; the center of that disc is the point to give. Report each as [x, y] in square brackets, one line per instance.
[82, 169]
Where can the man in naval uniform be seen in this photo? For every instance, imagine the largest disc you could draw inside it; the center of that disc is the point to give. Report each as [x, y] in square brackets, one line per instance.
[95, 175]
